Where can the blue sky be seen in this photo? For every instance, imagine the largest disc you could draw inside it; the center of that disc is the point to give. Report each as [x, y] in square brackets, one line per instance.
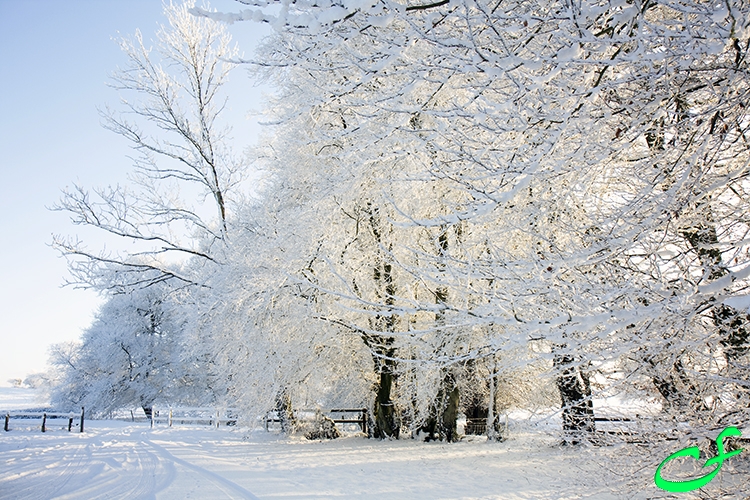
[55, 59]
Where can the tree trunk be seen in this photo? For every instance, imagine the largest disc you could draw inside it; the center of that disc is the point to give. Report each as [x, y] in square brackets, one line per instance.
[443, 418]
[442, 421]
[677, 390]
[675, 386]
[386, 419]
[285, 412]
[733, 328]
[731, 323]
[387, 423]
[494, 431]
[575, 395]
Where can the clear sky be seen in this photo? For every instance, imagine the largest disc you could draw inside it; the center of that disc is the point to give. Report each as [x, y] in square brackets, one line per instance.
[55, 59]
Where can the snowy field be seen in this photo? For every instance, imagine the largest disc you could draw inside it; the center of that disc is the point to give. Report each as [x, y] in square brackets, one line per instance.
[130, 461]
[18, 398]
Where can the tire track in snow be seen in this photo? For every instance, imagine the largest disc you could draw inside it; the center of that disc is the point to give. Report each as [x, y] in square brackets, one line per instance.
[123, 468]
[211, 476]
[149, 484]
[42, 475]
[119, 467]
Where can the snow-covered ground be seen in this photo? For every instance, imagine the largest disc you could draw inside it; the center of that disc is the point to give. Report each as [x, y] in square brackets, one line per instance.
[125, 460]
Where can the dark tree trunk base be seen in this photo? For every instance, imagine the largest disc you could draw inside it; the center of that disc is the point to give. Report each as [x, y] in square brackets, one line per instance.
[386, 424]
[442, 422]
[577, 406]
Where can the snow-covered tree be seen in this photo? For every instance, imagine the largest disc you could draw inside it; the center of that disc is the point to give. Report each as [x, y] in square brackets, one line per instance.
[173, 219]
[173, 103]
[129, 357]
[537, 129]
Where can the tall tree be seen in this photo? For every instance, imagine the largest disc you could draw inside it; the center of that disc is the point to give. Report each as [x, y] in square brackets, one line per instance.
[173, 122]
[129, 357]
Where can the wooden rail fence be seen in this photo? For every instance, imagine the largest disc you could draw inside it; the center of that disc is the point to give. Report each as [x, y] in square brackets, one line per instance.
[44, 415]
[617, 420]
[300, 415]
[228, 416]
[199, 415]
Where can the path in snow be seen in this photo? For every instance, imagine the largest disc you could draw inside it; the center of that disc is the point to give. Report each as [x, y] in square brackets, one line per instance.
[120, 460]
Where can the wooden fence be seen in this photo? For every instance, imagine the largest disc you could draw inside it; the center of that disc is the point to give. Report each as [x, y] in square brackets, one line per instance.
[217, 417]
[302, 415]
[617, 425]
[214, 417]
[198, 415]
[44, 416]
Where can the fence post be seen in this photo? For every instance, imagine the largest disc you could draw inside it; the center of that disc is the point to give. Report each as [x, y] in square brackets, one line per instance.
[170, 417]
[218, 422]
[364, 420]
[82, 411]
[153, 412]
[7, 419]
[44, 422]
[70, 422]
